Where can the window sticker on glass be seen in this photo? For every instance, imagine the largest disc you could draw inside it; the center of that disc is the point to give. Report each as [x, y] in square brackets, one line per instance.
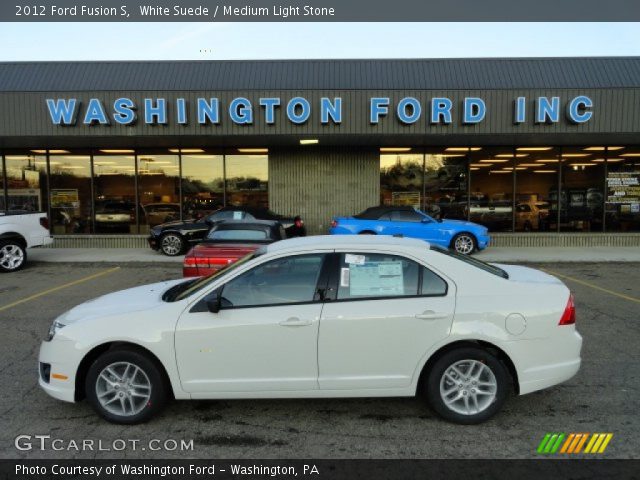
[376, 279]
[344, 277]
[351, 259]
[237, 215]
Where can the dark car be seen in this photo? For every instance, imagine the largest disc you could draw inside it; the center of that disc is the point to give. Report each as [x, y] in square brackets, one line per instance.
[228, 242]
[174, 238]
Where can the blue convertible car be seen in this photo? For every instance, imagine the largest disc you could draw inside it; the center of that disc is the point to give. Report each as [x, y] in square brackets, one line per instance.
[464, 237]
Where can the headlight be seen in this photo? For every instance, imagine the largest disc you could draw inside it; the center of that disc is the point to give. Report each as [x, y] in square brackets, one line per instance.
[53, 329]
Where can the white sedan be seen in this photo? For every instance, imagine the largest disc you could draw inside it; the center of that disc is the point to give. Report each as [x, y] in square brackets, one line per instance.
[351, 316]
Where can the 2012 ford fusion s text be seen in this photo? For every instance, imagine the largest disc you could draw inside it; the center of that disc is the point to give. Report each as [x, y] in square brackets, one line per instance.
[348, 316]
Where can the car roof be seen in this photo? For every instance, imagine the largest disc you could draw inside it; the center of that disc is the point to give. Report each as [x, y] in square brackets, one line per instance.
[355, 242]
[374, 213]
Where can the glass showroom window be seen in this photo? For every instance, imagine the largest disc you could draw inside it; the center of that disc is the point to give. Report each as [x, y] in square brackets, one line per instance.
[536, 188]
[623, 190]
[491, 173]
[582, 189]
[115, 193]
[401, 177]
[26, 181]
[3, 203]
[70, 193]
[446, 182]
[247, 180]
[158, 189]
[202, 184]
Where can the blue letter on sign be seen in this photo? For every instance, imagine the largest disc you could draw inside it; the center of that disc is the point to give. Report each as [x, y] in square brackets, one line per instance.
[305, 111]
[95, 113]
[416, 110]
[521, 110]
[62, 112]
[577, 109]
[333, 110]
[208, 111]
[378, 108]
[440, 108]
[181, 110]
[240, 111]
[270, 105]
[474, 110]
[548, 111]
[155, 113]
[124, 109]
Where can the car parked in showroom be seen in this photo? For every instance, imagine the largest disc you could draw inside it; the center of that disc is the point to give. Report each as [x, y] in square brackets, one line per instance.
[321, 316]
[174, 238]
[462, 236]
[227, 242]
[532, 216]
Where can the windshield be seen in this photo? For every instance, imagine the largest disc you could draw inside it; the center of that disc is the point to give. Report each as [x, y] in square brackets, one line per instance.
[188, 288]
[487, 267]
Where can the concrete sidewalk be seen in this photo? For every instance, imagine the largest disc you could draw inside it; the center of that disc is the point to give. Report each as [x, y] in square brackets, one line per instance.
[492, 254]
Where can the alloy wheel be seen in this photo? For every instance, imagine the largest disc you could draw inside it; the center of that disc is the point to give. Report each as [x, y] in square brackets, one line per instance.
[464, 244]
[123, 388]
[468, 387]
[171, 244]
[11, 257]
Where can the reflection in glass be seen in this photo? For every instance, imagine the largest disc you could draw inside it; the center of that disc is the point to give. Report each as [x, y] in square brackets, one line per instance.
[247, 180]
[536, 190]
[623, 191]
[202, 184]
[70, 194]
[446, 185]
[401, 179]
[26, 182]
[115, 196]
[158, 189]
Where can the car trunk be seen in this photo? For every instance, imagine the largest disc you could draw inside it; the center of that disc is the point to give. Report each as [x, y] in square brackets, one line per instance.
[208, 258]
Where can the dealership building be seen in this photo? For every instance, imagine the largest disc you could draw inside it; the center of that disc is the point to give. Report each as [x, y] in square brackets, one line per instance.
[546, 149]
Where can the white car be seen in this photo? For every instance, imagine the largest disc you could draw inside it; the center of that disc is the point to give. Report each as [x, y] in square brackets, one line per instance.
[20, 230]
[324, 316]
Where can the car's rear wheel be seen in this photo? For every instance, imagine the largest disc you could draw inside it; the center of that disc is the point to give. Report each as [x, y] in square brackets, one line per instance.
[171, 244]
[13, 255]
[125, 386]
[464, 243]
[467, 385]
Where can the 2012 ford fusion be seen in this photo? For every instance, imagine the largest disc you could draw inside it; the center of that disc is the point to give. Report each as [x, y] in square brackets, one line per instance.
[348, 316]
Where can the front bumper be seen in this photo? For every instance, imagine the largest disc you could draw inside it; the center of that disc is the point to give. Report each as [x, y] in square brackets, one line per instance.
[154, 242]
[58, 355]
[483, 241]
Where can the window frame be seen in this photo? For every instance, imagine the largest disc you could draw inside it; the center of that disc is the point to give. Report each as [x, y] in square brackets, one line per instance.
[334, 280]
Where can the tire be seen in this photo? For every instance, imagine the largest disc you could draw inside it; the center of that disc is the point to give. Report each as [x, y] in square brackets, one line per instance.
[488, 373]
[13, 255]
[110, 378]
[464, 243]
[367, 232]
[172, 244]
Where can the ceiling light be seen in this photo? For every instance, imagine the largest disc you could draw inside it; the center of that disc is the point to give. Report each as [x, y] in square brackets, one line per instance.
[309, 141]
[547, 160]
[597, 160]
[394, 149]
[582, 165]
[544, 171]
[50, 151]
[186, 150]
[117, 151]
[528, 164]
[499, 171]
[253, 150]
[511, 155]
[474, 168]
[462, 149]
[533, 149]
[630, 155]
[615, 159]
[493, 160]
[575, 155]
[601, 149]
[444, 155]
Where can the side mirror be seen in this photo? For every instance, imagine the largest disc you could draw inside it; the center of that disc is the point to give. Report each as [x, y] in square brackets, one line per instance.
[215, 304]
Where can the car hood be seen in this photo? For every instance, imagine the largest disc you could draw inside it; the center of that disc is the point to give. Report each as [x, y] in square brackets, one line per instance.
[124, 301]
[527, 275]
[459, 223]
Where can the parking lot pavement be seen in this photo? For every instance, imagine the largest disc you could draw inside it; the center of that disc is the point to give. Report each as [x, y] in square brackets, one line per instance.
[603, 397]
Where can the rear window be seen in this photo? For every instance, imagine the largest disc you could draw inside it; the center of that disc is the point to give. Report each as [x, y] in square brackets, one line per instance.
[471, 261]
[238, 235]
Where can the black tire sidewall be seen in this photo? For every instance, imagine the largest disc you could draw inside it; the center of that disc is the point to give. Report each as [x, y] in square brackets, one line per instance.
[158, 386]
[464, 234]
[24, 255]
[432, 385]
[182, 242]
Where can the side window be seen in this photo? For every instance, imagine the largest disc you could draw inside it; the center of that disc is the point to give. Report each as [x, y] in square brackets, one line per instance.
[223, 215]
[432, 284]
[386, 217]
[278, 282]
[405, 216]
[248, 216]
[377, 275]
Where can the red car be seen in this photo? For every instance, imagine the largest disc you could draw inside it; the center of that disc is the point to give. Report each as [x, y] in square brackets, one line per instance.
[227, 242]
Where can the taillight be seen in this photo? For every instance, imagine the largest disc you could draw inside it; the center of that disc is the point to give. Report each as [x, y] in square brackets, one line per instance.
[44, 221]
[569, 315]
[204, 262]
[334, 223]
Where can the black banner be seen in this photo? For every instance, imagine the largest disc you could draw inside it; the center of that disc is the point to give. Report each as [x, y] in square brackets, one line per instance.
[320, 469]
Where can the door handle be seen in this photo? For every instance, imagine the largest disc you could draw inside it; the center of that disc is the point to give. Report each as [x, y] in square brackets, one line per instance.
[431, 315]
[295, 322]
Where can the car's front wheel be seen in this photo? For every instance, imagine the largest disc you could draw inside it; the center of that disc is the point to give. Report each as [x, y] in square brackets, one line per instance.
[464, 243]
[172, 244]
[467, 385]
[13, 255]
[125, 386]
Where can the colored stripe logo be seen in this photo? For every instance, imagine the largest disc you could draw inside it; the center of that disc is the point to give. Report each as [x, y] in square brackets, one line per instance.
[574, 443]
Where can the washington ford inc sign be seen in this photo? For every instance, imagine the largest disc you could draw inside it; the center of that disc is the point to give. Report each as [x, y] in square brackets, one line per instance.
[242, 111]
